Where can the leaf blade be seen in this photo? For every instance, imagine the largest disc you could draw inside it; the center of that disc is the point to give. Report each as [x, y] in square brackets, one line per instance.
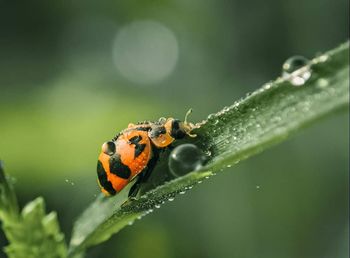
[266, 117]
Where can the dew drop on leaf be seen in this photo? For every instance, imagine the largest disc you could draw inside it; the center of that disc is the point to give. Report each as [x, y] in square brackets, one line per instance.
[322, 83]
[185, 158]
[296, 70]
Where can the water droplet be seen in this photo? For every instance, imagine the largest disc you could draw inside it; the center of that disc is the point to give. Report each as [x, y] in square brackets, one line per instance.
[130, 223]
[296, 70]
[258, 187]
[322, 58]
[157, 206]
[294, 63]
[211, 116]
[225, 109]
[139, 217]
[170, 199]
[185, 158]
[267, 86]
[208, 153]
[322, 83]
[162, 120]
[190, 187]
[199, 182]
[216, 122]
[69, 182]
[182, 192]
[229, 166]
[150, 211]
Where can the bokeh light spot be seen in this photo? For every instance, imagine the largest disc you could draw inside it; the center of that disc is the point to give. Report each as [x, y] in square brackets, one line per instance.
[145, 52]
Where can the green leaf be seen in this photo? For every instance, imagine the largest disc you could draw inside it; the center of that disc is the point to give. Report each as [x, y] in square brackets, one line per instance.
[8, 200]
[35, 234]
[32, 234]
[268, 116]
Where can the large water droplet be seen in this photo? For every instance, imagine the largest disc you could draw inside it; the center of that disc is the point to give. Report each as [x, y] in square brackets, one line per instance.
[296, 70]
[185, 158]
[294, 63]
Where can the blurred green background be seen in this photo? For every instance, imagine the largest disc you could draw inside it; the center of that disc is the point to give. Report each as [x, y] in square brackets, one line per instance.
[74, 73]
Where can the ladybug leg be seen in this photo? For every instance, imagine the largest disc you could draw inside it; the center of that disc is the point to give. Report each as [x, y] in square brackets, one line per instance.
[144, 175]
[136, 187]
[170, 147]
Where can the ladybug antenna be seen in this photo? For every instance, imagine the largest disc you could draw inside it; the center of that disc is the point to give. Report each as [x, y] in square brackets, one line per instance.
[187, 114]
[189, 126]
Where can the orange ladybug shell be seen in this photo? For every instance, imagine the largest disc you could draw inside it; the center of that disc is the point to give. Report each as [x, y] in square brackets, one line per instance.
[136, 154]
[133, 152]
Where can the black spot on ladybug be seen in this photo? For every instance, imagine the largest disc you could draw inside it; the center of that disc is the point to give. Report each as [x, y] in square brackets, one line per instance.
[143, 128]
[155, 132]
[138, 147]
[135, 139]
[102, 178]
[118, 168]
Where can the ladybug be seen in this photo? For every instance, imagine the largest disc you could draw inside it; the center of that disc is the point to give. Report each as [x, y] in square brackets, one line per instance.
[133, 152]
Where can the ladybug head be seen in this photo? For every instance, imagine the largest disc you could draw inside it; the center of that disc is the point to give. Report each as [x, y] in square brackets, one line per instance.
[178, 129]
